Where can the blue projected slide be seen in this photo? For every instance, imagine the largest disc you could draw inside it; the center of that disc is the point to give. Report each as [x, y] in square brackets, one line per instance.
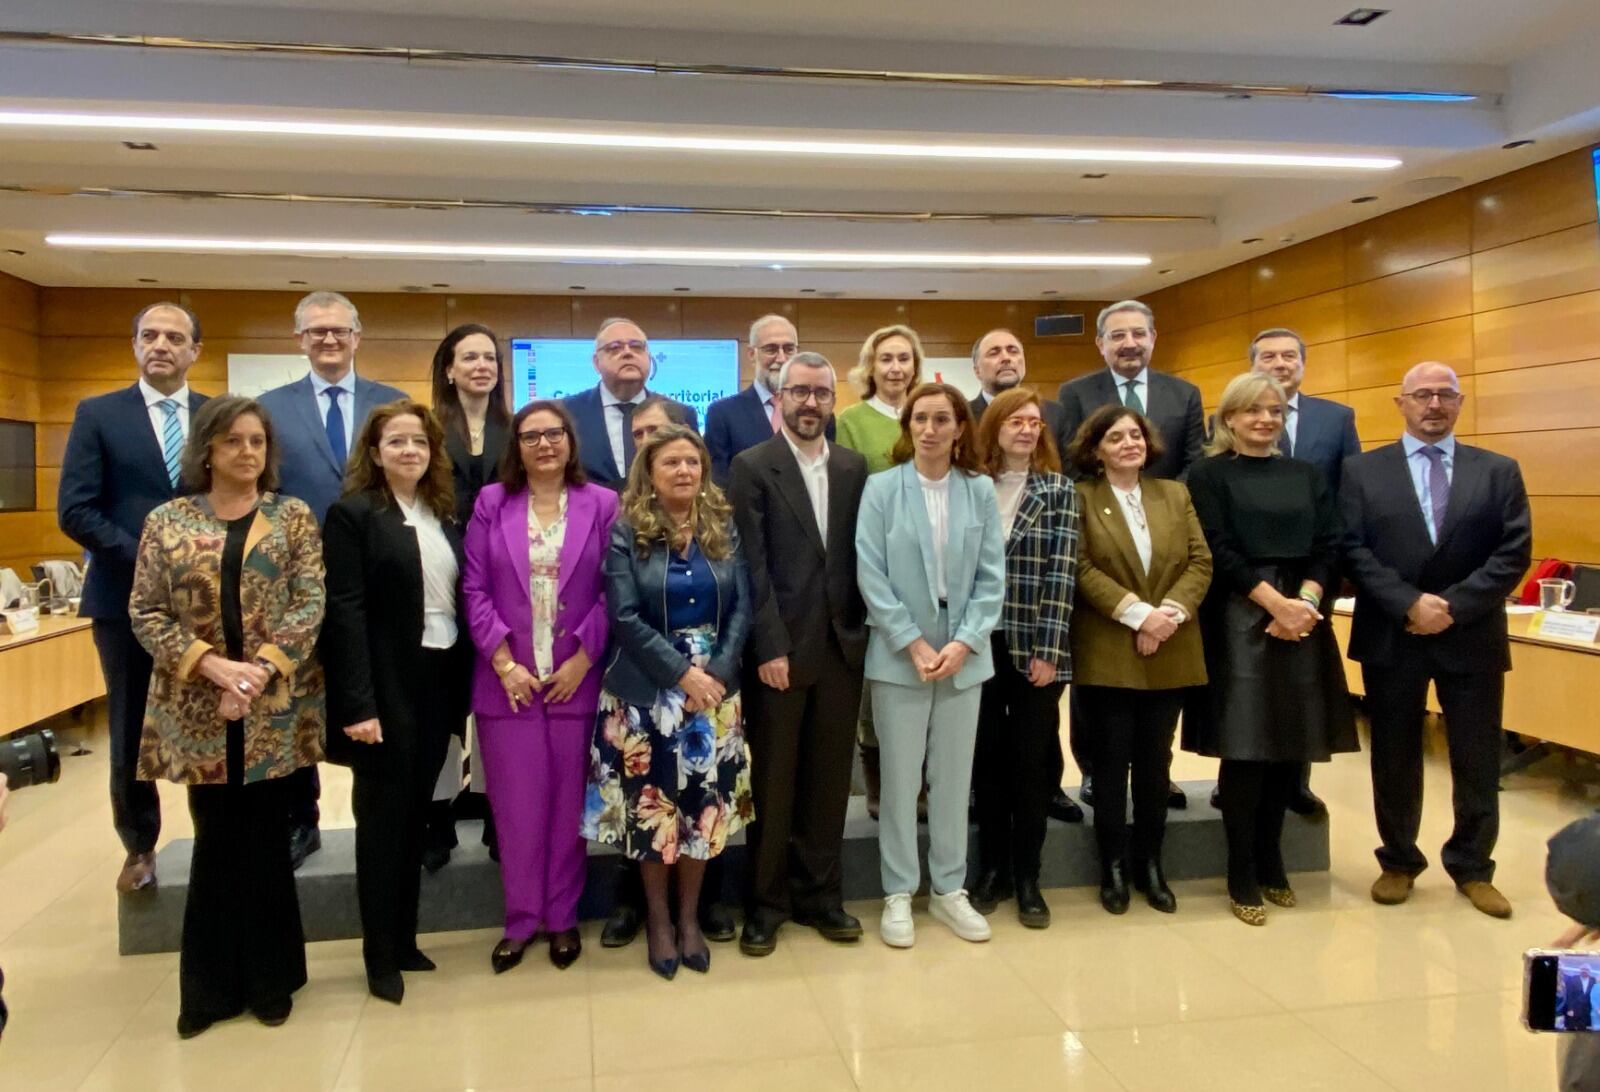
[695, 373]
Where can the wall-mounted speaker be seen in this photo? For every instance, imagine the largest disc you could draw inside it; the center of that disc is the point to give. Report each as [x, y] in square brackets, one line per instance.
[1058, 326]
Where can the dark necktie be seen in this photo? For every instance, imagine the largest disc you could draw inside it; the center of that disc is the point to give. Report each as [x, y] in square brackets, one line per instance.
[626, 409]
[335, 425]
[1131, 397]
[1286, 440]
[1438, 488]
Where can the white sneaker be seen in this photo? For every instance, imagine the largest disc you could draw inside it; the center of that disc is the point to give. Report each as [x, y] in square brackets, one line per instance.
[896, 927]
[956, 912]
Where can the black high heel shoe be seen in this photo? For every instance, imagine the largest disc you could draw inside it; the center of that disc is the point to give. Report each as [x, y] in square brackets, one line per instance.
[1114, 886]
[665, 966]
[507, 954]
[565, 948]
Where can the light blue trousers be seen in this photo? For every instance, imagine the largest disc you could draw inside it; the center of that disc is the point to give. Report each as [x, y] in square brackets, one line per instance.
[934, 724]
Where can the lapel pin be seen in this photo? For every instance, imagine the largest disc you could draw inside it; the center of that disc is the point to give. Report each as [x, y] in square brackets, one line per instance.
[1106, 511]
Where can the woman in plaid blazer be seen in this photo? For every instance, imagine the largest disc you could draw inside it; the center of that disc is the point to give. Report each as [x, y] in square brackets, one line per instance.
[1016, 763]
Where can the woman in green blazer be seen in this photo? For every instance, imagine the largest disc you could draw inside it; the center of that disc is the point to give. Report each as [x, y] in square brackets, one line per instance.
[1143, 568]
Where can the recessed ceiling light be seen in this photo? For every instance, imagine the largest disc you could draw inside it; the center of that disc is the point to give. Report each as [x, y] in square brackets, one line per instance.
[298, 282]
[1363, 199]
[148, 280]
[440, 284]
[681, 288]
[1515, 144]
[930, 291]
[808, 289]
[1050, 292]
[1252, 239]
[345, 131]
[1361, 17]
[1163, 272]
[18, 253]
[1095, 174]
[577, 287]
[139, 146]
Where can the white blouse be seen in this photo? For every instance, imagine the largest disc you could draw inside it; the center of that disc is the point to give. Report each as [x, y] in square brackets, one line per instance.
[439, 572]
[936, 499]
[1009, 488]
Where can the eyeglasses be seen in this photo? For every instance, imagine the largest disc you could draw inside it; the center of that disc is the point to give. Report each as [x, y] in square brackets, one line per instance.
[803, 394]
[612, 348]
[1446, 397]
[323, 333]
[1025, 424]
[532, 436]
[788, 348]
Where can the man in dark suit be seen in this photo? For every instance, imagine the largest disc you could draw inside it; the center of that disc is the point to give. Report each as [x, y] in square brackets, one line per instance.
[1125, 334]
[121, 461]
[752, 416]
[604, 413]
[795, 499]
[1577, 1002]
[315, 418]
[1437, 534]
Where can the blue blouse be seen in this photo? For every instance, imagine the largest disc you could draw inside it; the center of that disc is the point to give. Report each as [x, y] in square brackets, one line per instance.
[691, 590]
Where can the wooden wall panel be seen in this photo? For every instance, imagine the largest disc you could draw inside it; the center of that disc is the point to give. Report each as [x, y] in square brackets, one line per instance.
[849, 320]
[1566, 527]
[1564, 462]
[512, 316]
[1327, 371]
[19, 304]
[1224, 341]
[49, 442]
[1441, 290]
[658, 316]
[97, 312]
[1317, 319]
[1536, 200]
[1305, 269]
[1421, 234]
[1558, 396]
[1562, 263]
[1382, 359]
[1215, 295]
[1546, 332]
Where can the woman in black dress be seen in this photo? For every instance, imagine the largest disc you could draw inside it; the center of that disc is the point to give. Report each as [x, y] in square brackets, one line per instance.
[1276, 696]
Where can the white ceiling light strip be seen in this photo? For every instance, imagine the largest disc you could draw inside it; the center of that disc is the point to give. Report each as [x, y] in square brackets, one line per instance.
[145, 124]
[652, 255]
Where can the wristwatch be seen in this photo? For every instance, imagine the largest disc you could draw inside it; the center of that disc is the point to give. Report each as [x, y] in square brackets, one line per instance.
[268, 666]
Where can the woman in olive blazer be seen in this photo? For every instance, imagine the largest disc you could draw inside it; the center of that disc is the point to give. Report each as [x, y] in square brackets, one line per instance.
[1143, 568]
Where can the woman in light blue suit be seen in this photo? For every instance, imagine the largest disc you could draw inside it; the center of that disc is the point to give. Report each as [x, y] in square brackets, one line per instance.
[931, 565]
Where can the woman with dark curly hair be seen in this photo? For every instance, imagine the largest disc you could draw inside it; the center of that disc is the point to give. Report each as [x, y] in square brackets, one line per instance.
[669, 778]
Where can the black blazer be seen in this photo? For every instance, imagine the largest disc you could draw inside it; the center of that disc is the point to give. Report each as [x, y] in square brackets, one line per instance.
[469, 473]
[1173, 406]
[594, 442]
[113, 475]
[802, 590]
[1484, 549]
[736, 423]
[371, 641]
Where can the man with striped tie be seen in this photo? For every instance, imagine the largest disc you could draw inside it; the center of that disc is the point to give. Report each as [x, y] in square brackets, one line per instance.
[122, 461]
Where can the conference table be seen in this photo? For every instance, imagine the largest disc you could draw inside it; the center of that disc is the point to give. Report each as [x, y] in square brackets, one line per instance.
[1551, 681]
[48, 671]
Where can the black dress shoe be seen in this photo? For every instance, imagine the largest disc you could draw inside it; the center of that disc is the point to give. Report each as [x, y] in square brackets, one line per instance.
[565, 948]
[303, 842]
[1032, 910]
[760, 935]
[190, 1026]
[1086, 791]
[387, 986]
[716, 922]
[1216, 799]
[621, 927]
[1307, 803]
[507, 954]
[1114, 887]
[1149, 878]
[1064, 809]
[992, 886]
[414, 960]
[1176, 800]
[434, 858]
[490, 838]
[274, 1013]
[833, 924]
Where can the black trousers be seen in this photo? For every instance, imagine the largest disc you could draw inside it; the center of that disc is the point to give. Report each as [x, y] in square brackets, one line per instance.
[305, 792]
[802, 744]
[1016, 765]
[135, 807]
[242, 943]
[1079, 734]
[1132, 742]
[390, 798]
[1255, 796]
[1472, 704]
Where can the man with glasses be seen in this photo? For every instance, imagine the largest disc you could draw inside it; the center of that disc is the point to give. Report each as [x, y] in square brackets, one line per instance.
[1437, 534]
[604, 414]
[795, 498]
[121, 462]
[315, 418]
[753, 415]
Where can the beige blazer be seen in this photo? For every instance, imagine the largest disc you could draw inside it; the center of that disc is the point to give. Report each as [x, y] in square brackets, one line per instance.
[1110, 578]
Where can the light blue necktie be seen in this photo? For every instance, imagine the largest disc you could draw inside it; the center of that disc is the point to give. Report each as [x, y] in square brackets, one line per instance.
[335, 425]
[171, 439]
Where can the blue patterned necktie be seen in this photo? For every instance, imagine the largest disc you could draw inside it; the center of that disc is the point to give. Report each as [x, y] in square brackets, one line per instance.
[171, 439]
[335, 425]
[1438, 488]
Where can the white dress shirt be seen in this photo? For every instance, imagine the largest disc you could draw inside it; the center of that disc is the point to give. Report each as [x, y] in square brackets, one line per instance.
[884, 408]
[439, 572]
[1133, 514]
[1417, 463]
[1142, 390]
[936, 499]
[614, 424]
[347, 402]
[814, 472]
[158, 416]
[1008, 490]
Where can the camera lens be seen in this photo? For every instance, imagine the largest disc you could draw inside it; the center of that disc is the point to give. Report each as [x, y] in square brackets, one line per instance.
[30, 760]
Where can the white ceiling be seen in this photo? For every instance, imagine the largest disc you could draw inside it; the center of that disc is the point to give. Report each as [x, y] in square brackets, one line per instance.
[1531, 64]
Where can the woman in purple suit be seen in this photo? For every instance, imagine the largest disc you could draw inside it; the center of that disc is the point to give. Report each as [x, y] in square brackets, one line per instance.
[536, 606]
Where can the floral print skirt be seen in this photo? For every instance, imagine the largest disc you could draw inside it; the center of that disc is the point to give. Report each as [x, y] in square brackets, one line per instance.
[665, 783]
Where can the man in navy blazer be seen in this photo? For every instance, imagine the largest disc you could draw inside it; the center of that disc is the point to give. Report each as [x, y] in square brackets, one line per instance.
[1437, 535]
[748, 418]
[604, 413]
[316, 418]
[122, 460]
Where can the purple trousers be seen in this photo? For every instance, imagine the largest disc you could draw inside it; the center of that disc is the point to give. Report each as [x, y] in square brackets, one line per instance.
[535, 769]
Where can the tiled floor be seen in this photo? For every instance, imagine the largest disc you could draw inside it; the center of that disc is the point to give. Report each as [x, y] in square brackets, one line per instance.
[1338, 994]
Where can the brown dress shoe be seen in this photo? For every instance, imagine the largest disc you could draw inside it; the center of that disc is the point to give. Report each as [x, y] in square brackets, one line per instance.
[138, 873]
[1392, 888]
[1485, 898]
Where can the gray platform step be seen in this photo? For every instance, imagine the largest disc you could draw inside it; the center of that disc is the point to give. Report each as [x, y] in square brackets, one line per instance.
[466, 893]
